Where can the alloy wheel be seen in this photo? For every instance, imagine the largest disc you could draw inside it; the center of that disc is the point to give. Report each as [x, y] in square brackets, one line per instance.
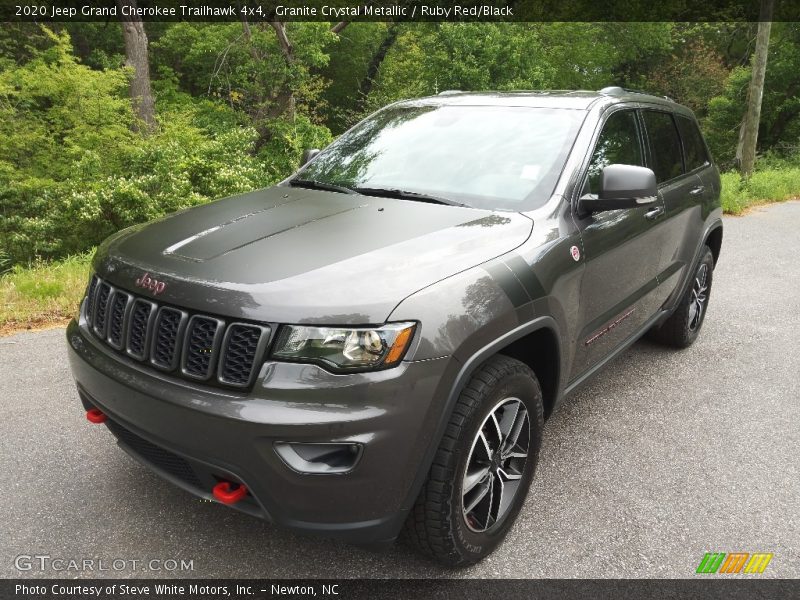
[495, 465]
[697, 303]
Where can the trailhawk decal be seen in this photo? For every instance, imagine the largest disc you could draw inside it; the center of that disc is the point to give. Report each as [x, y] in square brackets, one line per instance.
[609, 327]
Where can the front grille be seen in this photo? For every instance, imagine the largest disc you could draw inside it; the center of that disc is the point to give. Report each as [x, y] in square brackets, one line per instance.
[90, 296]
[192, 346]
[200, 346]
[165, 344]
[101, 309]
[159, 457]
[140, 322]
[241, 349]
[116, 319]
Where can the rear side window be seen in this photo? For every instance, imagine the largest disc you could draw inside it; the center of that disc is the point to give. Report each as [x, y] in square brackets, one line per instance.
[618, 144]
[665, 145]
[693, 146]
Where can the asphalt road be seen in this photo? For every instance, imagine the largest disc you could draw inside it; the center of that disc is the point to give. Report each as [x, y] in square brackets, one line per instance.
[662, 457]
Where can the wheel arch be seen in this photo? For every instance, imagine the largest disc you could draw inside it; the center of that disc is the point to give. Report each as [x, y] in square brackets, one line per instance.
[535, 343]
[540, 350]
[712, 237]
[714, 241]
[513, 343]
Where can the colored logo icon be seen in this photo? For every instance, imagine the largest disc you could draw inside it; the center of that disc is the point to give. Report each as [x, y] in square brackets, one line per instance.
[734, 562]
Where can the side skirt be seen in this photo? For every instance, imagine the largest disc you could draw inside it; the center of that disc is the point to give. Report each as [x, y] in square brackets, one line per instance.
[575, 383]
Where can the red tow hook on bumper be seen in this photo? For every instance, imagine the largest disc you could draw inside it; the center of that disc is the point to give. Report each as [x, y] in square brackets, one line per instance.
[96, 416]
[223, 492]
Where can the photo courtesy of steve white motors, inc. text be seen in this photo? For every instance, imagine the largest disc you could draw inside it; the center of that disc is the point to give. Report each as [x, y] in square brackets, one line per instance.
[197, 10]
[171, 589]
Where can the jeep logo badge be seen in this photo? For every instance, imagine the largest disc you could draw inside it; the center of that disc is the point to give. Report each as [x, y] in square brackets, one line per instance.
[147, 282]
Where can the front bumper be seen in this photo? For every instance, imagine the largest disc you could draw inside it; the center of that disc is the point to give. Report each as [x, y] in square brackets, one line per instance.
[165, 422]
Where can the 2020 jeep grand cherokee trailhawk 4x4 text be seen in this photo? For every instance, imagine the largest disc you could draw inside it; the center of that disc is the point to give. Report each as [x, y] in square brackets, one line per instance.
[373, 345]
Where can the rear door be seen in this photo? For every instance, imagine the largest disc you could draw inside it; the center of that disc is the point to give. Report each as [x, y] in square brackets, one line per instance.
[682, 191]
[618, 291]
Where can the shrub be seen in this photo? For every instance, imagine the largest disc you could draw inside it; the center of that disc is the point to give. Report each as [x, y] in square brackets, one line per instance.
[72, 171]
[764, 185]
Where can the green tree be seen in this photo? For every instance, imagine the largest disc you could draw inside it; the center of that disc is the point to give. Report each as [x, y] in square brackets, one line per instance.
[72, 171]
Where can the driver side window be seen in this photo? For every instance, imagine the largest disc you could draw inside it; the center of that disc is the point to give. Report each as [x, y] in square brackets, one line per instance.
[618, 144]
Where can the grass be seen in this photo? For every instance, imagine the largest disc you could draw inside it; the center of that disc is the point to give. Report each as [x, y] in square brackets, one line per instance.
[762, 187]
[42, 294]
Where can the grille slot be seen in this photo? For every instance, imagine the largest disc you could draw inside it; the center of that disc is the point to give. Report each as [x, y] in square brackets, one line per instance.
[116, 319]
[161, 458]
[100, 311]
[241, 348]
[201, 346]
[141, 318]
[90, 295]
[168, 328]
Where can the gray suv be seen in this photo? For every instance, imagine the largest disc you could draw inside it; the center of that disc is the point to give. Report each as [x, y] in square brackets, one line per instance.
[372, 346]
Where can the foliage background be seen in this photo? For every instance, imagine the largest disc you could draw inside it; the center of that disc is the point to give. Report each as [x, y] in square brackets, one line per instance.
[234, 114]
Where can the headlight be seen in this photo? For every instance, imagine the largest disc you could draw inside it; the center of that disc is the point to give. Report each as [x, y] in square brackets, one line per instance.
[345, 349]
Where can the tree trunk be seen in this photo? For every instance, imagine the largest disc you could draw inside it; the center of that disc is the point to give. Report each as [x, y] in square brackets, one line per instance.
[366, 85]
[137, 57]
[285, 99]
[286, 46]
[748, 134]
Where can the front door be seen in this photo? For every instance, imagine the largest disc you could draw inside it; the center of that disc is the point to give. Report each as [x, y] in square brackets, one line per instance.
[620, 247]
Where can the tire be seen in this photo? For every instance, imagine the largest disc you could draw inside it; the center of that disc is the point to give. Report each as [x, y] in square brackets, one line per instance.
[438, 525]
[683, 326]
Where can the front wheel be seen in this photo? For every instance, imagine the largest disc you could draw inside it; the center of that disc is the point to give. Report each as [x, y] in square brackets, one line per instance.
[683, 326]
[483, 467]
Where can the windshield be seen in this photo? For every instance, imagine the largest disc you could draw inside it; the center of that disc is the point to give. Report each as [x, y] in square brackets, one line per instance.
[492, 157]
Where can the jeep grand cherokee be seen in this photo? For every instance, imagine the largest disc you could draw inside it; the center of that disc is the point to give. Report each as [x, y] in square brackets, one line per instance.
[373, 345]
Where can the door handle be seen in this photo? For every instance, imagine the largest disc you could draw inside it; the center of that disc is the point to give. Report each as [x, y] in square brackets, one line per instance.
[697, 191]
[654, 213]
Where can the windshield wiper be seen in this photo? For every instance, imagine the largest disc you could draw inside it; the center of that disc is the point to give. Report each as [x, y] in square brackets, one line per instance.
[320, 185]
[407, 195]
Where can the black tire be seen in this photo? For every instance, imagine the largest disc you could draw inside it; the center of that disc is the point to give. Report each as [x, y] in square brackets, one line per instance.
[683, 326]
[438, 524]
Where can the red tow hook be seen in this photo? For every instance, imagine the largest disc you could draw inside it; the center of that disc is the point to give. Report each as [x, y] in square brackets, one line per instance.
[223, 492]
[96, 416]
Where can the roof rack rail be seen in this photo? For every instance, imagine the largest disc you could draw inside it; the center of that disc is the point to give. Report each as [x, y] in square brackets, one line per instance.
[615, 90]
[449, 92]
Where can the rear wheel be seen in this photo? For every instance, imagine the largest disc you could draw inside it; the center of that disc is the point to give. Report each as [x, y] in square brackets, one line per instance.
[483, 467]
[683, 326]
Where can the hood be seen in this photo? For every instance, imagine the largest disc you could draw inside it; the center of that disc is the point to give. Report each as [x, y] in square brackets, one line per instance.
[294, 255]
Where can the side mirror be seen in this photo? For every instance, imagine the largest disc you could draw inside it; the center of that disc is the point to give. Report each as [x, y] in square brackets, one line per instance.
[308, 154]
[622, 186]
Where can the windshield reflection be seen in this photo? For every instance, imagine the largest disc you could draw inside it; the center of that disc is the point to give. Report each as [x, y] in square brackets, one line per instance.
[492, 157]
